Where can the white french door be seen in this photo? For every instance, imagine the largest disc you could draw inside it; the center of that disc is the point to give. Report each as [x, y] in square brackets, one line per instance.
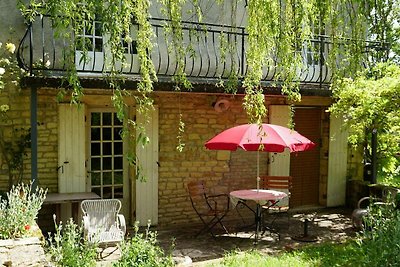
[106, 165]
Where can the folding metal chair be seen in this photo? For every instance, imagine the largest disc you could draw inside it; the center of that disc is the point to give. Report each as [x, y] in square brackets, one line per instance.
[277, 208]
[208, 207]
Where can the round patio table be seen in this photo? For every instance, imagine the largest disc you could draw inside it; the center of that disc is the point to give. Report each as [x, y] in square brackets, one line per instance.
[261, 197]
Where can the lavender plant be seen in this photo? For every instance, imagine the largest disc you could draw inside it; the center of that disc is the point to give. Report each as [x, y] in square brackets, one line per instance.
[19, 211]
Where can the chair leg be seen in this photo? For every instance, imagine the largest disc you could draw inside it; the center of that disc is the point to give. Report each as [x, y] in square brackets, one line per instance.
[207, 226]
[238, 212]
[210, 225]
[222, 225]
[269, 228]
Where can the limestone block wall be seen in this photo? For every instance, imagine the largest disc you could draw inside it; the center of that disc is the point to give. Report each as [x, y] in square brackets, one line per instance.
[19, 117]
[223, 171]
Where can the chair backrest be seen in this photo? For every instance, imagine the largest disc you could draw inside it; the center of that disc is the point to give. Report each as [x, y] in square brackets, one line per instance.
[198, 195]
[279, 183]
[197, 188]
[102, 213]
[276, 182]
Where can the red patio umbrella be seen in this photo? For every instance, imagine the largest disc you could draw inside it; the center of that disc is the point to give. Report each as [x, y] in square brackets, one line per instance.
[260, 137]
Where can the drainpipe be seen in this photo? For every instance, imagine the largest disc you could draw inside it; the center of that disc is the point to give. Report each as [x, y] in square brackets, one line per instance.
[374, 145]
[34, 169]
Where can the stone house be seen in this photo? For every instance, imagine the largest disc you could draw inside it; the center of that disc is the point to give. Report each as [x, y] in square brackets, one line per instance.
[80, 150]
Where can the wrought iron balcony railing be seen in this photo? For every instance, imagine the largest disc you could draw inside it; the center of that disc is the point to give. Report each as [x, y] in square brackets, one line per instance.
[41, 53]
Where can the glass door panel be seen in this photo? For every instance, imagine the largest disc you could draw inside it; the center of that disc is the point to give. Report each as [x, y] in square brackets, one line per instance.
[106, 155]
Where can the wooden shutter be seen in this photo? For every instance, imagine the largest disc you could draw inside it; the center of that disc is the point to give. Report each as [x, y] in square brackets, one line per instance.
[337, 163]
[305, 165]
[279, 163]
[71, 149]
[71, 154]
[147, 192]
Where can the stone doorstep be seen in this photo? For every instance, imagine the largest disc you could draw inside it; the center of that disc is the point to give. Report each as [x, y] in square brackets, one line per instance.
[22, 252]
[20, 242]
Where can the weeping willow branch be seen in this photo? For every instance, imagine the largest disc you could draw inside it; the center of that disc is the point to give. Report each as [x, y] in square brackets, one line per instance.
[172, 9]
[278, 38]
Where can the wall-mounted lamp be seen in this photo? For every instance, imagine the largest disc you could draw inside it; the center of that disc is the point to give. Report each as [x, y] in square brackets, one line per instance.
[221, 105]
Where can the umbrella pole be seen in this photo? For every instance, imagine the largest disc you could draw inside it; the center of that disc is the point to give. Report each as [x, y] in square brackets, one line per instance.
[258, 170]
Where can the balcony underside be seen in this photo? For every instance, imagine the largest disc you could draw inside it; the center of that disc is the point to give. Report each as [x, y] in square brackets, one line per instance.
[165, 86]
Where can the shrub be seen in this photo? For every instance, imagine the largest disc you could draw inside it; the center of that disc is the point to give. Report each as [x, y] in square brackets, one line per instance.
[380, 241]
[142, 250]
[19, 211]
[68, 247]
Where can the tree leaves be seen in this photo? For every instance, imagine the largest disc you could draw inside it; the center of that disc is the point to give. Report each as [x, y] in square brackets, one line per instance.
[372, 101]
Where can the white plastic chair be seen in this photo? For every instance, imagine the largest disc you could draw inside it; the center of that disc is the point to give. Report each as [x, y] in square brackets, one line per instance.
[101, 221]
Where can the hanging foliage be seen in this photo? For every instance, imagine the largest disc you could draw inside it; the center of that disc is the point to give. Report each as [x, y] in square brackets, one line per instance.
[372, 101]
[278, 32]
[278, 36]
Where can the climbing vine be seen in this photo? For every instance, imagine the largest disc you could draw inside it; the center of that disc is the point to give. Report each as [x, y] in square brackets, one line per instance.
[14, 139]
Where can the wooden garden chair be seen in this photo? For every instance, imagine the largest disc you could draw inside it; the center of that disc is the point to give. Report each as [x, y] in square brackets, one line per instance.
[281, 207]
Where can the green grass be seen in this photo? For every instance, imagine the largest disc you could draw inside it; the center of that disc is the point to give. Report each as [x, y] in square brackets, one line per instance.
[318, 255]
[255, 258]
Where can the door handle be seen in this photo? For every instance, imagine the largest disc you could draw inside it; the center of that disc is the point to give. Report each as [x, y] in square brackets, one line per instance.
[62, 166]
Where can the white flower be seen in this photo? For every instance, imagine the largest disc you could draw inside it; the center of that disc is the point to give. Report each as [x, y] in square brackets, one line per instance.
[47, 64]
[4, 108]
[2, 71]
[10, 47]
[5, 61]
[1, 44]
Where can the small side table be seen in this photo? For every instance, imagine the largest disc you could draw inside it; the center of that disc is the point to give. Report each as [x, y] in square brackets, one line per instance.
[306, 237]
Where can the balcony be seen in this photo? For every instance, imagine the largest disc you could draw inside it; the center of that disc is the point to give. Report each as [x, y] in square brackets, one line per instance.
[43, 55]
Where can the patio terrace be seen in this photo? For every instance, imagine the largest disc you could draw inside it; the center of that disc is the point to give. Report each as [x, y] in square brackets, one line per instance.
[327, 225]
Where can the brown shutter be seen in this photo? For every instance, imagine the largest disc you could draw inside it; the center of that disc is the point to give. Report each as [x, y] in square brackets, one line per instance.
[305, 166]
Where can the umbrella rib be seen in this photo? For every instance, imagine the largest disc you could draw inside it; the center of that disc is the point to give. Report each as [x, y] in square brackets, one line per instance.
[286, 143]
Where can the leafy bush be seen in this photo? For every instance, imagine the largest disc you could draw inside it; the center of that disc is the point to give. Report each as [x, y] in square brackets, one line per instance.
[381, 239]
[19, 211]
[142, 250]
[68, 247]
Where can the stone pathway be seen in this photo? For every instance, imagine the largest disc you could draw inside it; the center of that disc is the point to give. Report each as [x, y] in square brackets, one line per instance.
[326, 225]
[22, 252]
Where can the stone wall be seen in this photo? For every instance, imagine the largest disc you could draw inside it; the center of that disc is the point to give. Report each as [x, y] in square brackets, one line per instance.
[22, 252]
[19, 117]
[224, 171]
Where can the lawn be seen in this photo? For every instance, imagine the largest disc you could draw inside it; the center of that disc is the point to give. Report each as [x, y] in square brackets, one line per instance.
[378, 245]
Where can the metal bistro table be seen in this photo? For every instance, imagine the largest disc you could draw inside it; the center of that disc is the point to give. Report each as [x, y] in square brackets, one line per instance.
[261, 197]
[73, 199]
